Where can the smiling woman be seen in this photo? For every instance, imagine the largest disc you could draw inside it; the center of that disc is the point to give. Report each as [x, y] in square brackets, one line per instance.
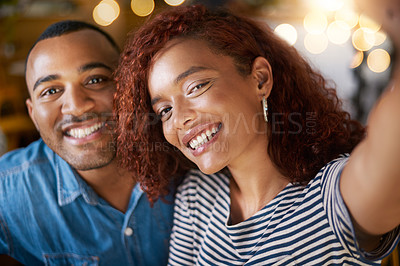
[292, 193]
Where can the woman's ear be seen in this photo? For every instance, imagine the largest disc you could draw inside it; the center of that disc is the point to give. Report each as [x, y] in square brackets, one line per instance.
[262, 72]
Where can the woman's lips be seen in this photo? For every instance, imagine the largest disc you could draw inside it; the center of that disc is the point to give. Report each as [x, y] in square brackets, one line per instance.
[203, 137]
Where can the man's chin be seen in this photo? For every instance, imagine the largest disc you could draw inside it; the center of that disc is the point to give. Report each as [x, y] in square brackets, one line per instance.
[87, 161]
[91, 166]
[88, 157]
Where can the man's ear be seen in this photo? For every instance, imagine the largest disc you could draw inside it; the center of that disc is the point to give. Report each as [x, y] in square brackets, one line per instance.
[29, 105]
[262, 72]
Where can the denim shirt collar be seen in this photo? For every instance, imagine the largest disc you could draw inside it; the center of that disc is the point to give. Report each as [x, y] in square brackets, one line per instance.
[70, 184]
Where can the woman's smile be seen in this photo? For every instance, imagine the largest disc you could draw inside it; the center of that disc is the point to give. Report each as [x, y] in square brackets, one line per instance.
[199, 138]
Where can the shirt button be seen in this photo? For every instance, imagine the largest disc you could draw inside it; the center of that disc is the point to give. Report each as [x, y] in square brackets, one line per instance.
[128, 231]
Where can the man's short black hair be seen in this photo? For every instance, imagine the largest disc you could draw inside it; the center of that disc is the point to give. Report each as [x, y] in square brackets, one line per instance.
[68, 26]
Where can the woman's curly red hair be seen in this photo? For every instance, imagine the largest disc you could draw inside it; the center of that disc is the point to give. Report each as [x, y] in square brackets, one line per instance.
[307, 128]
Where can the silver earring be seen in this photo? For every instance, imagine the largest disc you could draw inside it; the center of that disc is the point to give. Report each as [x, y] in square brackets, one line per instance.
[265, 108]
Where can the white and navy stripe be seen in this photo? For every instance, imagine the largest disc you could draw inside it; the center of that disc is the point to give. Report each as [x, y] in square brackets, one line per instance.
[302, 225]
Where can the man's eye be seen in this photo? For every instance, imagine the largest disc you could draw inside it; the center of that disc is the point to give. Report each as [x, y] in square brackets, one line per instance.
[50, 92]
[95, 80]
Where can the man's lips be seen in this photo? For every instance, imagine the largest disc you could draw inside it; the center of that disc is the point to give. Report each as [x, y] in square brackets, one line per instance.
[200, 135]
[80, 131]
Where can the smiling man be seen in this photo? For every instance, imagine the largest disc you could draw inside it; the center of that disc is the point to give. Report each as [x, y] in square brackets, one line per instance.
[64, 200]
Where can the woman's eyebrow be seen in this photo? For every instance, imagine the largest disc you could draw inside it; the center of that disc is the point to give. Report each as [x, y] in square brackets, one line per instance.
[190, 71]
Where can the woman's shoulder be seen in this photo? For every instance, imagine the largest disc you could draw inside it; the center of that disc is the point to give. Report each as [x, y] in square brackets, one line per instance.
[329, 175]
[334, 167]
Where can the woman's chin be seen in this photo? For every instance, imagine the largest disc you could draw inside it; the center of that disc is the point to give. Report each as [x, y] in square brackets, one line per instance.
[209, 170]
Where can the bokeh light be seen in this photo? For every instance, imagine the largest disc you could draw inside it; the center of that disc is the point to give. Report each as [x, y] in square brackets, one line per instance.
[106, 12]
[338, 32]
[378, 60]
[380, 37]
[174, 2]
[287, 32]
[348, 16]
[315, 22]
[331, 5]
[357, 59]
[367, 22]
[363, 39]
[142, 8]
[316, 43]
[324, 5]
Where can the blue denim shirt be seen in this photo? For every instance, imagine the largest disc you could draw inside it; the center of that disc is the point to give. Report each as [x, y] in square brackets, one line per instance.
[49, 215]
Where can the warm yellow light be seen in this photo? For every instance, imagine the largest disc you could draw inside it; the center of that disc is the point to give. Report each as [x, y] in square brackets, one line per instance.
[142, 8]
[106, 12]
[316, 43]
[380, 37]
[357, 59]
[174, 2]
[338, 32]
[363, 39]
[348, 16]
[287, 32]
[378, 60]
[315, 22]
[367, 22]
[331, 5]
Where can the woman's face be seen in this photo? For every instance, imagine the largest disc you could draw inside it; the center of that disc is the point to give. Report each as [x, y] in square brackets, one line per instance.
[209, 111]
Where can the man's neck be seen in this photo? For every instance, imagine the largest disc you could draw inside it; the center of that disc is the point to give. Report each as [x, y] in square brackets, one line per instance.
[111, 182]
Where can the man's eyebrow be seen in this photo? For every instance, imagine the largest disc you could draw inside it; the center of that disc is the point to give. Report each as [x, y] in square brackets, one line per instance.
[81, 69]
[94, 65]
[181, 76]
[45, 79]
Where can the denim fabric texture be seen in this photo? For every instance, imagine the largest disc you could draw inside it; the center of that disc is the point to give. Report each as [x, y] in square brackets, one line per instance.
[50, 216]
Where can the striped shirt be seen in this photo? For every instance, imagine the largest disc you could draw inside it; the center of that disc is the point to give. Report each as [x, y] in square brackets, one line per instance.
[302, 225]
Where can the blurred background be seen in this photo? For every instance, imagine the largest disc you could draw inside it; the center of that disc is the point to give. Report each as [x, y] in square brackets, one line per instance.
[345, 45]
[348, 48]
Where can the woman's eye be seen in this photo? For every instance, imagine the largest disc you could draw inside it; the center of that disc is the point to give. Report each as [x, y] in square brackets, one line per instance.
[198, 87]
[164, 112]
[201, 88]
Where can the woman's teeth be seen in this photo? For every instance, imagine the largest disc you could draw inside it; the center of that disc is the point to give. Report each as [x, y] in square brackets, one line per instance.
[79, 133]
[203, 138]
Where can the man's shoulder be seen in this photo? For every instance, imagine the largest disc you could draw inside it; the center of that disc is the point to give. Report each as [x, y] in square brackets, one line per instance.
[28, 175]
[17, 160]
[26, 166]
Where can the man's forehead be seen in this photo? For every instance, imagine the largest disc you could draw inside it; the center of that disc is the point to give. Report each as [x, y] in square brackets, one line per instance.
[76, 49]
[82, 39]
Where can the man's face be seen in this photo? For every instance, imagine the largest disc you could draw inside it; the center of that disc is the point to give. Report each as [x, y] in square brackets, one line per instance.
[69, 79]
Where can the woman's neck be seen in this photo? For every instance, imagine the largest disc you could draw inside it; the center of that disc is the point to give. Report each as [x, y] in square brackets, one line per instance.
[255, 182]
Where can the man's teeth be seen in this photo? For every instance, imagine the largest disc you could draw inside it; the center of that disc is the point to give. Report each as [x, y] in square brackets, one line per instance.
[79, 133]
[203, 138]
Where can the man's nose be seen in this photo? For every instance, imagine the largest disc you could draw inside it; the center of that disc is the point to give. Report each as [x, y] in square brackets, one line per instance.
[76, 101]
